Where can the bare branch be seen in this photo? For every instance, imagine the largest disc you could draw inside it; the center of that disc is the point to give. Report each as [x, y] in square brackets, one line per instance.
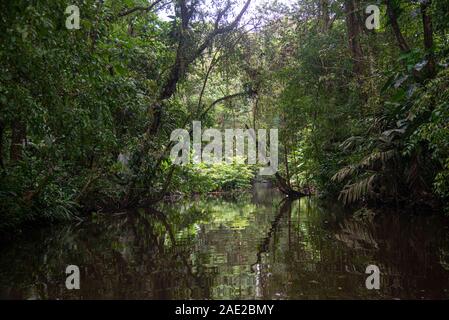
[221, 30]
[222, 99]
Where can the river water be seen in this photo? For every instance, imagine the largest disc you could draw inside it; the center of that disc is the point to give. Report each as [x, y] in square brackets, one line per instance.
[255, 246]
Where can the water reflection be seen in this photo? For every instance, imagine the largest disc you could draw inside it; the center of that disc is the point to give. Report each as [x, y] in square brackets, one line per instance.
[255, 247]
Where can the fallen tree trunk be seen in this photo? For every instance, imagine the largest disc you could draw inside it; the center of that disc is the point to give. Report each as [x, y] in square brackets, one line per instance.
[286, 189]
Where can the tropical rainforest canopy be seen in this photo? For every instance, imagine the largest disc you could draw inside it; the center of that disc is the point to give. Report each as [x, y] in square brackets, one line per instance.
[87, 113]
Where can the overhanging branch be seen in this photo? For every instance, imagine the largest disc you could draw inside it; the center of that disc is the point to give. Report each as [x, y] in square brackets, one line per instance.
[140, 8]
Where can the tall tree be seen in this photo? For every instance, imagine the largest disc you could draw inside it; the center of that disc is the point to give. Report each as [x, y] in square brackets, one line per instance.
[428, 36]
[392, 9]
[354, 31]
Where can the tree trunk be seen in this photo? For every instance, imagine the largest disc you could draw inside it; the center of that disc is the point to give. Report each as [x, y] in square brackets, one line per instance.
[17, 140]
[287, 171]
[391, 11]
[285, 188]
[354, 31]
[2, 130]
[324, 15]
[428, 36]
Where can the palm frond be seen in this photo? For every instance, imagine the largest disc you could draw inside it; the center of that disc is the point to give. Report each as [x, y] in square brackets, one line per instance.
[344, 173]
[383, 156]
[356, 191]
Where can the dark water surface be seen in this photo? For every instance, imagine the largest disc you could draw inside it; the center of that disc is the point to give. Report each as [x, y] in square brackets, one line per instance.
[254, 247]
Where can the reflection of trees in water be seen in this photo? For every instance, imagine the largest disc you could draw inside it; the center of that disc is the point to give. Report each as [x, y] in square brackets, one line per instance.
[241, 249]
[125, 257]
[317, 254]
[406, 249]
[227, 249]
[264, 194]
[259, 267]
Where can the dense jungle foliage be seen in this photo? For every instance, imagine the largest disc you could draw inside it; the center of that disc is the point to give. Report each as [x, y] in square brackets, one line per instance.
[86, 114]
